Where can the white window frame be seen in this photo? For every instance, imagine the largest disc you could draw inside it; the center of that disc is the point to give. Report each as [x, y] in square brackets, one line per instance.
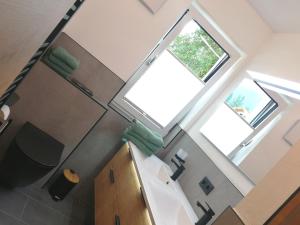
[193, 13]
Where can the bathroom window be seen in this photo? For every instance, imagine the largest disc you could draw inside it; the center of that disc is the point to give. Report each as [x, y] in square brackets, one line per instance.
[173, 77]
[235, 122]
[177, 75]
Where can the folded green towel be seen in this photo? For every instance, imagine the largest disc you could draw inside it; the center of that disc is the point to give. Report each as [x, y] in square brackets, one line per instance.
[56, 68]
[66, 57]
[52, 58]
[147, 134]
[145, 139]
[139, 144]
[150, 146]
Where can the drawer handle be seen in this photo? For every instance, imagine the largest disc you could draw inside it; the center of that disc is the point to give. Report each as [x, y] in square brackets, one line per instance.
[111, 176]
[117, 220]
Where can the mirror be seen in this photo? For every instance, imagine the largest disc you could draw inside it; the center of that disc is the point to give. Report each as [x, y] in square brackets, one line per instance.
[246, 114]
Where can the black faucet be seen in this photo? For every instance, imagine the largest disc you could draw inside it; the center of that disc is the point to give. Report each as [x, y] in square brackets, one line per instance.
[208, 214]
[179, 166]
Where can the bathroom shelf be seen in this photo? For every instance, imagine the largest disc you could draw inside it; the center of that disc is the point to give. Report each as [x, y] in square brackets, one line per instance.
[100, 103]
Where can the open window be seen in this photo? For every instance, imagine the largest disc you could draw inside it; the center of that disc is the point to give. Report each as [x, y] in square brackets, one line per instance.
[176, 75]
[235, 122]
[173, 77]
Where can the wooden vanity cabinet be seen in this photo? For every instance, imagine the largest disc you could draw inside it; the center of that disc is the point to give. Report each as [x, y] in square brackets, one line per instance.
[118, 198]
[105, 197]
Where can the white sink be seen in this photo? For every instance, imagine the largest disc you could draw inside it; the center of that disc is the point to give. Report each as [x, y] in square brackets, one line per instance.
[157, 168]
[165, 199]
[168, 205]
[183, 218]
[164, 174]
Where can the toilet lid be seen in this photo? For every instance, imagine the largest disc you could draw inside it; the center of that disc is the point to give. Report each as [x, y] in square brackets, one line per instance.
[39, 146]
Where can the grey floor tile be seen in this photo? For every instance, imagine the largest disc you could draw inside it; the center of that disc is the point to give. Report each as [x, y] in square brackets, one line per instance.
[72, 221]
[36, 213]
[7, 220]
[69, 207]
[12, 202]
[42, 196]
[34, 192]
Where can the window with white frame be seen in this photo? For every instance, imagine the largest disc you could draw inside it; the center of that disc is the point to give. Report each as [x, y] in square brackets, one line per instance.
[171, 79]
[239, 118]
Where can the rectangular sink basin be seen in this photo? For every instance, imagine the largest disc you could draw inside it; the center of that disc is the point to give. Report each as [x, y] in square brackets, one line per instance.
[167, 204]
[165, 199]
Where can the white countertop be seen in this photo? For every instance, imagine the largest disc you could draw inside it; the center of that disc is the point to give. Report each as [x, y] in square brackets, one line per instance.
[165, 200]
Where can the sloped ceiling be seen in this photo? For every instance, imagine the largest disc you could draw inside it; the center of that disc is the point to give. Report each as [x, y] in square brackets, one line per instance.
[283, 16]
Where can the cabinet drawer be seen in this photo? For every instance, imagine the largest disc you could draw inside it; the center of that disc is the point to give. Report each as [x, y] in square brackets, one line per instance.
[105, 184]
[105, 197]
[118, 196]
[130, 201]
[129, 196]
[105, 213]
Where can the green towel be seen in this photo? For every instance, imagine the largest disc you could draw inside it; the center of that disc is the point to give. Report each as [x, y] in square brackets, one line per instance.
[151, 147]
[147, 134]
[56, 68]
[52, 58]
[139, 144]
[145, 139]
[66, 57]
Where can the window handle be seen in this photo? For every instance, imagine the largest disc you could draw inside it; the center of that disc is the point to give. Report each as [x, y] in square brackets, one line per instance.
[245, 144]
[152, 60]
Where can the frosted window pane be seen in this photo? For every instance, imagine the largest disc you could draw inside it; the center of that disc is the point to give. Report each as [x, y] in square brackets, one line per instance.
[225, 129]
[165, 89]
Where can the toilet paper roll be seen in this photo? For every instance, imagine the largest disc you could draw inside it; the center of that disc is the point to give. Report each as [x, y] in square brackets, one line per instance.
[5, 111]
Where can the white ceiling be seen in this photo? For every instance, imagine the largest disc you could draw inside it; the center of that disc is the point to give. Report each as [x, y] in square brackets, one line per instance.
[282, 15]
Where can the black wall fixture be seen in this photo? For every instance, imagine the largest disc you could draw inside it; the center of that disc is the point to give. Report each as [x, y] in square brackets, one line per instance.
[36, 56]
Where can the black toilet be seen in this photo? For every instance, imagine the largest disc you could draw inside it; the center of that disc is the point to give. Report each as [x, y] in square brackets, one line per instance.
[30, 156]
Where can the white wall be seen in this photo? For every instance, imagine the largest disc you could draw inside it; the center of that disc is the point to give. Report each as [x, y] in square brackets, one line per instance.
[239, 21]
[270, 193]
[122, 33]
[279, 58]
[273, 161]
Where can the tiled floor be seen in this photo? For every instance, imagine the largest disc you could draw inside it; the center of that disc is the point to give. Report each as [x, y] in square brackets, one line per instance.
[33, 206]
